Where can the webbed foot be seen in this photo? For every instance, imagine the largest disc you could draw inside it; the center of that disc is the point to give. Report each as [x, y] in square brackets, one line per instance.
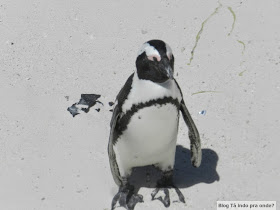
[164, 185]
[127, 198]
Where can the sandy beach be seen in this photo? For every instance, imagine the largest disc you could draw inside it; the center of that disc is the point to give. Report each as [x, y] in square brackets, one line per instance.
[227, 62]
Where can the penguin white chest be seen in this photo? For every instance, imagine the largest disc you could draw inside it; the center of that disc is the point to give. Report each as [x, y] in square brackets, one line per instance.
[152, 127]
[150, 137]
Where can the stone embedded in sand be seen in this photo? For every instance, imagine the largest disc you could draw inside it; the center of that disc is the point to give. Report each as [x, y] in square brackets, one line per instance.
[86, 102]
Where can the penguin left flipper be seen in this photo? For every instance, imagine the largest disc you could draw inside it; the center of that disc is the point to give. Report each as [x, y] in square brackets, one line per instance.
[196, 153]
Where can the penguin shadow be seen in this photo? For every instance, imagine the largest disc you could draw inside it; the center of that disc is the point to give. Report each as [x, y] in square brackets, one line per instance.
[184, 174]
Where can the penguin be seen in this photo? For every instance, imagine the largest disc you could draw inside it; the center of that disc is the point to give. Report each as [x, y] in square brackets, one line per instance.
[144, 125]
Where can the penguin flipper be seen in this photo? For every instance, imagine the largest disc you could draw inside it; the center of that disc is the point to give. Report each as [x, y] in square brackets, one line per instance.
[112, 139]
[193, 135]
[121, 97]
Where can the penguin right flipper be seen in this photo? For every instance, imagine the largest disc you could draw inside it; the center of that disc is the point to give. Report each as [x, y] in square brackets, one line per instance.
[112, 155]
[193, 135]
[114, 133]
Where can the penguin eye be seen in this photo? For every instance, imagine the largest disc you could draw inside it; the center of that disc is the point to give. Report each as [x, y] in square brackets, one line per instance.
[154, 58]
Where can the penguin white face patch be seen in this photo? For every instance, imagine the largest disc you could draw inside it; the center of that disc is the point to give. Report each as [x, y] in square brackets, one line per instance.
[168, 51]
[150, 51]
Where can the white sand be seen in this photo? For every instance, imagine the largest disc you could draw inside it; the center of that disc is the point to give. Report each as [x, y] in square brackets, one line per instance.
[52, 49]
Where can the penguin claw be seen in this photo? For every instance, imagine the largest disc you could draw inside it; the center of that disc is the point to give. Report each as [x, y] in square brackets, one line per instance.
[134, 200]
[166, 199]
[180, 194]
[126, 199]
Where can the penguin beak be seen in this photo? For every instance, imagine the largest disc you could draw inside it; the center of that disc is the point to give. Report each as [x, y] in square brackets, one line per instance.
[168, 71]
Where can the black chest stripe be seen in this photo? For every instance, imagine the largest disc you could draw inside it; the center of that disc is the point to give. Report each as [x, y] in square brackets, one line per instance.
[125, 119]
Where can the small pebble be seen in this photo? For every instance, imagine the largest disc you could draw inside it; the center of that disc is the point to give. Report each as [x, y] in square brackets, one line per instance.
[144, 31]
[203, 112]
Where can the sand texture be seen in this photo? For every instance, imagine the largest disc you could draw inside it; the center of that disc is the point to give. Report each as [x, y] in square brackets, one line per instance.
[227, 62]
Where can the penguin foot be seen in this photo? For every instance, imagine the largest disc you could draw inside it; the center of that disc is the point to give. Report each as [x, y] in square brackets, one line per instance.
[166, 199]
[164, 185]
[127, 198]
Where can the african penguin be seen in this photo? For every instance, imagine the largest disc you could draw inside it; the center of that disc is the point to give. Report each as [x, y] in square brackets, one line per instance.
[144, 124]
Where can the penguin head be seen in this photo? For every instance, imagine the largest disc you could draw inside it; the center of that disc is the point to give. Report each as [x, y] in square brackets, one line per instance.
[155, 61]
